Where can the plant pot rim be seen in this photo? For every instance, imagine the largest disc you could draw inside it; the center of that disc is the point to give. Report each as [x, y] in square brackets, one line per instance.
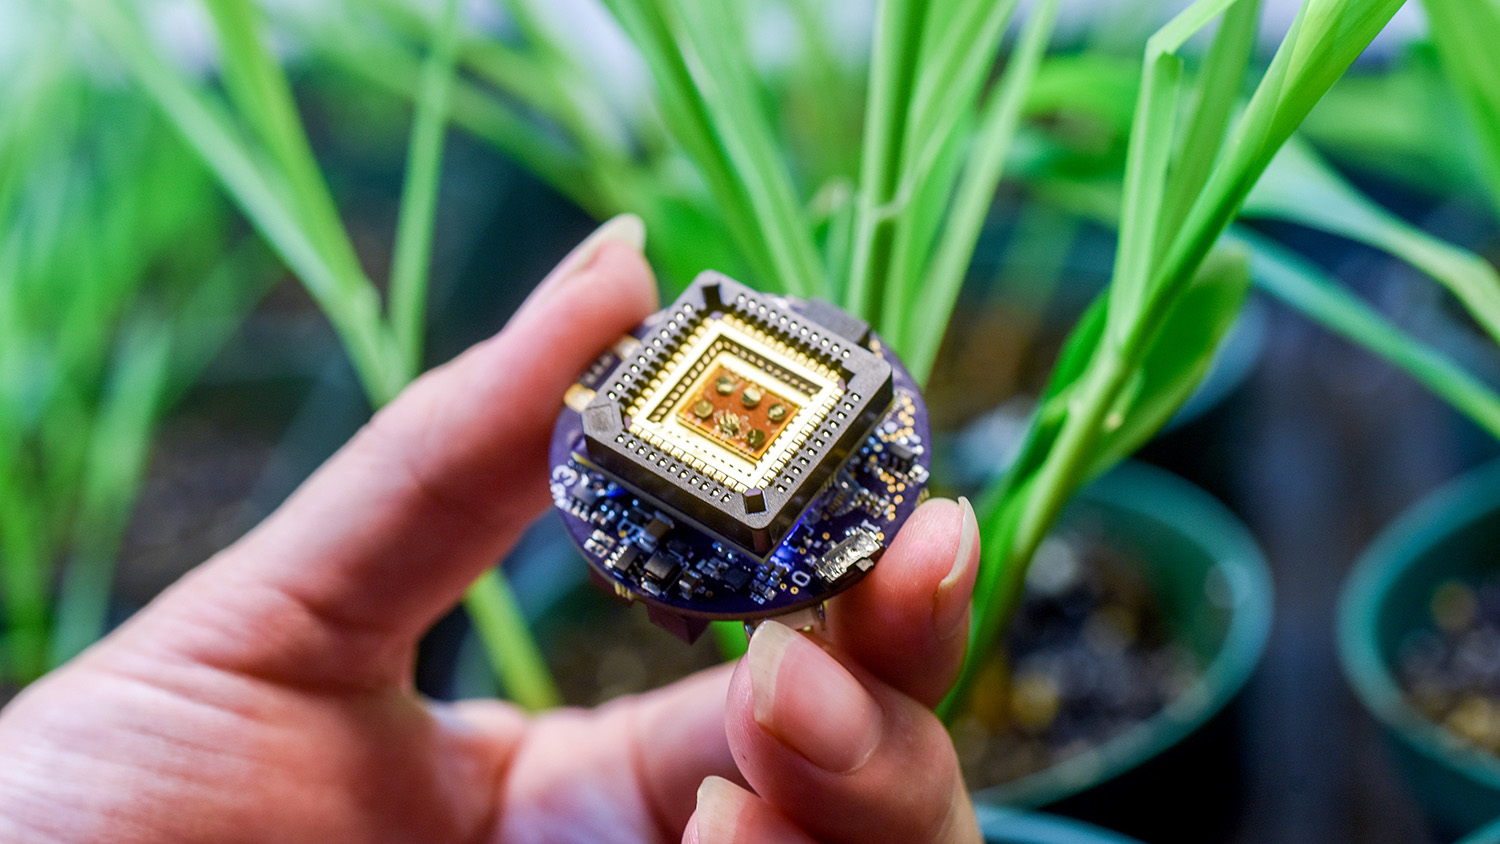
[1401, 545]
[1162, 497]
[1487, 834]
[1000, 825]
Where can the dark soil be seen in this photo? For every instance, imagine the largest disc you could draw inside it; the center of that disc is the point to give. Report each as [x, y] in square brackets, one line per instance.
[193, 501]
[988, 356]
[1088, 657]
[1450, 669]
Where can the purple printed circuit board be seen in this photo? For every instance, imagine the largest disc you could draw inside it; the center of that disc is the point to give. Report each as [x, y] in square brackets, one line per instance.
[739, 456]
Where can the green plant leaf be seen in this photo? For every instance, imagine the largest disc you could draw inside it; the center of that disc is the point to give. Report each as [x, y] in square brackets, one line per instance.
[118, 448]
[1150, 283]
[1322, 42]
[998, 122]
[1301, 285]
[1465, 32]
[263, 98]
[1180, 355]
[956, 56]
[513, 655]
[1147, 158]
[1405, 123]
[477, 111]
[1216, 93]
[1300, 188]
[702, 74]
[350, 301]
[893, 68]
[412, 255]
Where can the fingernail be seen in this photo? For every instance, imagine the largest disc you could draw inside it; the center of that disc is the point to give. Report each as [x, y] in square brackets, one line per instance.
[627, 229]
[808, 701]
[950, 607]
[718, 811]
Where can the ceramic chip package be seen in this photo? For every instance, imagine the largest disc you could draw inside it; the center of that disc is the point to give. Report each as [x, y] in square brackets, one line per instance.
[740, 456]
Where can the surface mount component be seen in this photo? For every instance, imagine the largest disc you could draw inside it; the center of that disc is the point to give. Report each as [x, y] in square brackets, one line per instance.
[739, 456]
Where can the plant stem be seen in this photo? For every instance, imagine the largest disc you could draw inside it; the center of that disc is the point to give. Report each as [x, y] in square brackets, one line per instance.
[730, 637]
[1021, 518]
[898, 38]
[999, 121]
[410, 265]
[512, 651]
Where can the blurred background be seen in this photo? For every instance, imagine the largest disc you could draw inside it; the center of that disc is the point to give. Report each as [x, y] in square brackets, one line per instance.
[205, 288]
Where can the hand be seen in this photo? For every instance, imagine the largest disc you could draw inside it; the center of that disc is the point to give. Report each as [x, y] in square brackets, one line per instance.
[268, 697]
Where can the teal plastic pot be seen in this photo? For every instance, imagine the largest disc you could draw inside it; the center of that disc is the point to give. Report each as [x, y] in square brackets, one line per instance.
[1008, 826]
[1487, 835]
[1214, 587]
[1453, 533]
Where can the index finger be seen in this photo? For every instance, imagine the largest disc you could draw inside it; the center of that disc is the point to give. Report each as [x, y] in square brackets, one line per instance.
[386, 536]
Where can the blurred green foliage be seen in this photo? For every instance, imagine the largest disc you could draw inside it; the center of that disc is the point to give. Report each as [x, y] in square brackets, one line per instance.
[119, 277]
[865, 176]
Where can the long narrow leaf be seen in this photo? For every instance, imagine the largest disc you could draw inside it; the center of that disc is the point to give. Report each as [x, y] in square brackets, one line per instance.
[118, 450]
[1217, 91]
[413, 251]
[976, 190]
[513, 656]
[1319, 47]
[263, 96]
[351, 304]
[1301, 285]
[1323, 40]
[701, 74]
[1146, 167]
[1300, 188]
[1465, 33]
[897, 39]
[943, 104]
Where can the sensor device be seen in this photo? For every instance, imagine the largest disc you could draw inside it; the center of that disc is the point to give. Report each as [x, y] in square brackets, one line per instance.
[739, 456]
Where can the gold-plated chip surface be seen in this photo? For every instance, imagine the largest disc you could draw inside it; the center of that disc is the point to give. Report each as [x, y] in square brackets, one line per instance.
[735, 418]
[737, 408]
[734, 402]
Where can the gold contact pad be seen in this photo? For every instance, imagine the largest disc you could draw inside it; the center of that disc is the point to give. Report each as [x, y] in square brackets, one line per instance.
[654, 415]
[736, 412]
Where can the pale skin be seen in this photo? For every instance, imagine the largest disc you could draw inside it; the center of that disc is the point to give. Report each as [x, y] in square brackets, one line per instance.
[267, 697]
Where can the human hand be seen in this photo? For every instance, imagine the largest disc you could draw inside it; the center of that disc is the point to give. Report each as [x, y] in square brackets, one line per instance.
[268, 695]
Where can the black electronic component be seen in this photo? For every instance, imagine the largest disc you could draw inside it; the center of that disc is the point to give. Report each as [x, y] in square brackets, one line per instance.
[735, 578]
[626, 561]
[583, 496]
[662, 568]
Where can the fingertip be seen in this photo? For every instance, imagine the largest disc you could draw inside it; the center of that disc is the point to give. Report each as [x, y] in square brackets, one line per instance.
[863, 764]
[623, 266]
[716, 818]
[950, 605]
[728, 814]
[794, 685]
[923, 553]
[902, 622]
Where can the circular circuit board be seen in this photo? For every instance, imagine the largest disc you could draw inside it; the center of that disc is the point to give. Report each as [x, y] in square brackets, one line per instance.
[739, 457]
